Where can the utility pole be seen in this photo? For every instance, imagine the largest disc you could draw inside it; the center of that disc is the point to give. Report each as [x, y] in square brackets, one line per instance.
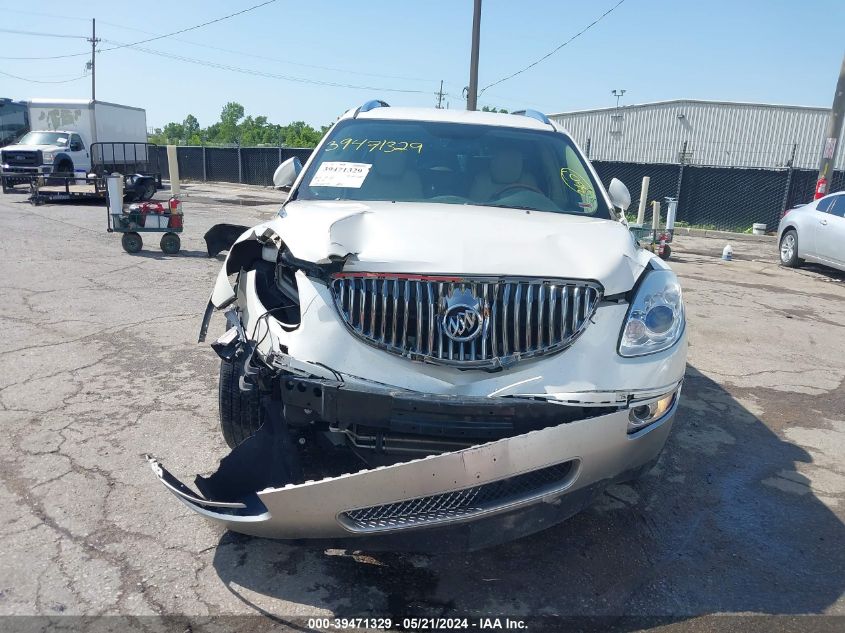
[92, 64]
[440, 96]
[472, 94]
[831, 137]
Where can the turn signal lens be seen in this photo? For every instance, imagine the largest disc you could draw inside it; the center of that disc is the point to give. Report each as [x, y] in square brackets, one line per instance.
[642, 415]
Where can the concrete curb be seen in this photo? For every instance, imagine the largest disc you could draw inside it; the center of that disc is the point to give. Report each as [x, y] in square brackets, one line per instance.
[737, 237]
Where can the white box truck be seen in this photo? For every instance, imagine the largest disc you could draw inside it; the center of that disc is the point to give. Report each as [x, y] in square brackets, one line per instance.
[69, 137]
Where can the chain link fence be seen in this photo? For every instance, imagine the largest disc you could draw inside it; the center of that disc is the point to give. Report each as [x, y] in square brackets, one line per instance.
[723, 198]
[247, 165]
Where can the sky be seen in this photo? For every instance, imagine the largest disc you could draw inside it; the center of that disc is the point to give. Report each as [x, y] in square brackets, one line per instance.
[772, 51]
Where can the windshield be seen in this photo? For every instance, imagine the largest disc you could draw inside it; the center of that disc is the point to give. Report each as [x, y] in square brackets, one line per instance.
[44, 138]
[452, 163]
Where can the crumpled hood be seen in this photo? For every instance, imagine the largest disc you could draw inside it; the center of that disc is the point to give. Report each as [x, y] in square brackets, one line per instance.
[460, 239]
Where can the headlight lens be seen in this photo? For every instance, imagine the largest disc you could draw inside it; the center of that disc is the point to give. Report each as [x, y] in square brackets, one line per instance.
[641, 415]
[655, 320]
[48, 157]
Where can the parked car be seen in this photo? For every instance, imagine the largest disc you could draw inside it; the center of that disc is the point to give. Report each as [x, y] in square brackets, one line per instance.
[447, 338]
[814, 232]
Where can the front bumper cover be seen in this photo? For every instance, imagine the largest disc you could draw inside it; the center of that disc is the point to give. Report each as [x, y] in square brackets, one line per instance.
[469, 498]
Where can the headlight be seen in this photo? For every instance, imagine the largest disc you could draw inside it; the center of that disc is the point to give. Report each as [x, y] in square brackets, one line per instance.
[655, 319]
[48, 157]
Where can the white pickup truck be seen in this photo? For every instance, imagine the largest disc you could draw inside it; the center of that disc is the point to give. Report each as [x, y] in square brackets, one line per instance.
[61, 136]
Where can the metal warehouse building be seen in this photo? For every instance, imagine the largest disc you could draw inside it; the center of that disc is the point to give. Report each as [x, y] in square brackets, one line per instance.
[716, 133]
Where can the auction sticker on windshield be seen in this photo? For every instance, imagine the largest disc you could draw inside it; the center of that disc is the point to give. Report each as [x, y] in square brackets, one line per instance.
[338, 174]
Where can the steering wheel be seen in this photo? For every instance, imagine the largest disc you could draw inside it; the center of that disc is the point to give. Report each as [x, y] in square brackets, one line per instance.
[517, 186]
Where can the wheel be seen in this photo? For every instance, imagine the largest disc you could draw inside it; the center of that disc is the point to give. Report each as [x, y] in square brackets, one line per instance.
[240, 412]
[170, 243]
[63, 170]
[666, 252]
[789, 249]
[131, 242]
[148, 191]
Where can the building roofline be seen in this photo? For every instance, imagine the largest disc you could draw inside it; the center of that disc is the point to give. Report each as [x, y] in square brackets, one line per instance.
[692, 101]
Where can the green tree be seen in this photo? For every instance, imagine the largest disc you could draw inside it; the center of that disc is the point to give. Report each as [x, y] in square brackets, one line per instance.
[231, 114]
[494, 109]
[174, 132]
[235, 126]
[191, 126]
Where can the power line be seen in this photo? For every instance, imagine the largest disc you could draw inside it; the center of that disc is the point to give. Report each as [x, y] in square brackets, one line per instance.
[192, 28]
[258, 73]
[158, 37]
[39, 34]
[276, 59]
[85, 54]
[43, 81]
[549, 54]
[46, 15]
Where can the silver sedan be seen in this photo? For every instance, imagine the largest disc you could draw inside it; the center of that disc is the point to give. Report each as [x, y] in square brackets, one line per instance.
[814, 232]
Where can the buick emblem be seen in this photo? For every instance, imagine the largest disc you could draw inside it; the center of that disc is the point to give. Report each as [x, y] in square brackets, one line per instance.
[463, 316]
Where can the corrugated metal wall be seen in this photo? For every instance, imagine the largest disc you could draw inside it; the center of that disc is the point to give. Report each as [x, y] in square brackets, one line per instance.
[722, 134]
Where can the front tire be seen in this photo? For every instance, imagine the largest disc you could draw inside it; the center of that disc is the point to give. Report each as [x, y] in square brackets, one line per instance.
[131, 242]
[60, 174]
[240, 412]
[789, 249]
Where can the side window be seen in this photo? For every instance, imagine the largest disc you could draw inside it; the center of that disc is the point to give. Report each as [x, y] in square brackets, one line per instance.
[825, 203]
[838, 207]
[75, 138]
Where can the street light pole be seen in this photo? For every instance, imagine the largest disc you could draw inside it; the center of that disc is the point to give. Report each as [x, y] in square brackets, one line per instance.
[831, 137]
[472, 94]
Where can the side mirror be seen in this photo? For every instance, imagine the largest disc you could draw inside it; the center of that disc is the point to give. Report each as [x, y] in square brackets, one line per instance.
[76, 147]
[620, 197]
[286, 173]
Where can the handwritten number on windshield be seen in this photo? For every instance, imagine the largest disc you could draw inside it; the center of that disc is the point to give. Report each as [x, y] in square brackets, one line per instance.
[368, 145]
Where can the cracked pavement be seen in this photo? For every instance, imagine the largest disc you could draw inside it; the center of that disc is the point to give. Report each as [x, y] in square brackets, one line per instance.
[99, 365]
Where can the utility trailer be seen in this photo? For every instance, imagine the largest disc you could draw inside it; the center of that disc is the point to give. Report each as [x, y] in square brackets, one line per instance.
[136, 162]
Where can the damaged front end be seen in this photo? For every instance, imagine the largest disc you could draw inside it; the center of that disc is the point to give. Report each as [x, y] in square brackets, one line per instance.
[358, 420]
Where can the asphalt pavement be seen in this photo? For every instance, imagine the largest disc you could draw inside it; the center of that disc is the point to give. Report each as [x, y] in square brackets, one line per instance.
[99, 365]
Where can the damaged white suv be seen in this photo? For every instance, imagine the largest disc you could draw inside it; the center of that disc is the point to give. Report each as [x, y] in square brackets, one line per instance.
[447, 338]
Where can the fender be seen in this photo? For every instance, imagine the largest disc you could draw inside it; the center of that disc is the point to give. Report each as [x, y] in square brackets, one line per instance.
[245, 250]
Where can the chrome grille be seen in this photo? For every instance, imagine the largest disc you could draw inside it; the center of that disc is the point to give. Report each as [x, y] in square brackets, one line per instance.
[518, 318]
[460, 504]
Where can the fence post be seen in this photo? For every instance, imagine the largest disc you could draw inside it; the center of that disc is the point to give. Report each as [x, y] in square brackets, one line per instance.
[204, 172]
[643, 200]
[240, 164]
[791, 166]
[683, 160]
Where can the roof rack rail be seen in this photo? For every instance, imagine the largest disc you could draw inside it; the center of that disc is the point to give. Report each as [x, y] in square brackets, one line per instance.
[542, 118]
[371, 105]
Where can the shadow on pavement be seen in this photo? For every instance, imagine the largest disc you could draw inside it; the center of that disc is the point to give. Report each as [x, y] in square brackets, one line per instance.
[831, 273]
[704, 532]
